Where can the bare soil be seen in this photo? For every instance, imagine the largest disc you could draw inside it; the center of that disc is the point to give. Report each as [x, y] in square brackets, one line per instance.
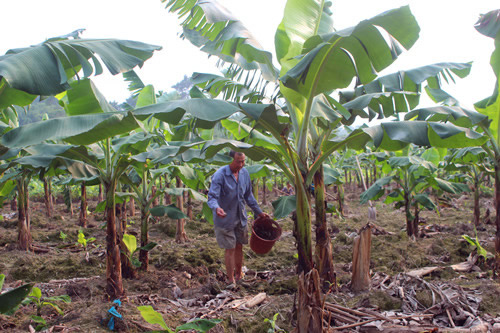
[187, 281]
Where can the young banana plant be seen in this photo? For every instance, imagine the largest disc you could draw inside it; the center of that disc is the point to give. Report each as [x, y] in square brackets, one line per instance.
[413, 176]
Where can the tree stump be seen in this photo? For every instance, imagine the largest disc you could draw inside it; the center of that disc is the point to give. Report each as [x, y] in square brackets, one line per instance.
[309, 305]
[361, 259]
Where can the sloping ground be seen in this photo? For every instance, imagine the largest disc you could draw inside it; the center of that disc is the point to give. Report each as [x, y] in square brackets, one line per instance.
[186, 281]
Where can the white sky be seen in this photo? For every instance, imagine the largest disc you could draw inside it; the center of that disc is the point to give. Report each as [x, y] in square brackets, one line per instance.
[447, 34]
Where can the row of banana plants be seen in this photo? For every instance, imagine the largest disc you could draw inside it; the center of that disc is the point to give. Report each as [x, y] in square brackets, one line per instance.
[297, 127]
[300, 132]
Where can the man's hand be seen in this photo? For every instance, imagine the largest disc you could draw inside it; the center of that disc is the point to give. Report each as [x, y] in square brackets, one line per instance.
[220, 212]
[264, 215]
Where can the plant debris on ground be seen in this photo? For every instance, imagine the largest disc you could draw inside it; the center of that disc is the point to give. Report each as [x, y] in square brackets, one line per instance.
[415, 285]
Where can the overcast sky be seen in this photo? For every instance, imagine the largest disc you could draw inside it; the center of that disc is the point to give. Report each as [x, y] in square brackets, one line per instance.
[447, 34]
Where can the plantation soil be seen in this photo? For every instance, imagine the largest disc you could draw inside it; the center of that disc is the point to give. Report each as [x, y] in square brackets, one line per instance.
[185, 277]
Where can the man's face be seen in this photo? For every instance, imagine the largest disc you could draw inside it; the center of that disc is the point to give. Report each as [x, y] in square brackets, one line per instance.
[238, 162]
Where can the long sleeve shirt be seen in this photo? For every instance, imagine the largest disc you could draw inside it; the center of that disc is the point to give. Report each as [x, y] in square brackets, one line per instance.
[227, 193]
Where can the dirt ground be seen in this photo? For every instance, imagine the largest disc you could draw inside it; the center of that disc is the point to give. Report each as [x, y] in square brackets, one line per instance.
[186, 281]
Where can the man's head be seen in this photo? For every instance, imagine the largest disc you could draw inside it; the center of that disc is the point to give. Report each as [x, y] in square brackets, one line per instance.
[238, 160]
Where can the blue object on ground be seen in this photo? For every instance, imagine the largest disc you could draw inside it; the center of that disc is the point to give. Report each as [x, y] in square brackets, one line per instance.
[114, 313]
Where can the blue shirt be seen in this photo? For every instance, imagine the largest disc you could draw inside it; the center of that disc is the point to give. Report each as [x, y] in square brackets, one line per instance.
[227, 193]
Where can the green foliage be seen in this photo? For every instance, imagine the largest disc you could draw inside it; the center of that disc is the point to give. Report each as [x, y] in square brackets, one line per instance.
[82, 240]
[131, 243]
[36, 298]
[198, 325]
[62, 235]
[38, 109]
[153, 317]
[284, 206]
[171, 211]
[274, 327]
[481, 251]
[37, 191]
[10, 300]
[67, 196]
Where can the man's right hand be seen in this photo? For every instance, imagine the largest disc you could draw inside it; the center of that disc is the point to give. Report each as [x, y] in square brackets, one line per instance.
[220, 212]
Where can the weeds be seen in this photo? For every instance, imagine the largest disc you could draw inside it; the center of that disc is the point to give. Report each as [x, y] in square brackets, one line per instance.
[36, 298]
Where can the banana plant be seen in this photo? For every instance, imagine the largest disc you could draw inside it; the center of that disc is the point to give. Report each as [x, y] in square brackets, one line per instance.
[141, 180]
[260, 171]
[334, 176]
[474, 165]
[486, 118]
[12, 299]
[48, 68]
[489, 25]
[19, 171]
[40, 301]
[315, 60]
[155, 318]
[413, 175]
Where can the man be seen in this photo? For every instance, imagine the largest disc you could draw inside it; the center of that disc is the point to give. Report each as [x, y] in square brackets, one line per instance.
[229, 190]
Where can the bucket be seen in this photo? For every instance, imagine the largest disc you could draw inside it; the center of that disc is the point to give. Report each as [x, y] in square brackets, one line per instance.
[265, 232]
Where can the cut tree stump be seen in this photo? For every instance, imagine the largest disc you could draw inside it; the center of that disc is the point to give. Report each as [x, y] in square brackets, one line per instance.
[361, 259]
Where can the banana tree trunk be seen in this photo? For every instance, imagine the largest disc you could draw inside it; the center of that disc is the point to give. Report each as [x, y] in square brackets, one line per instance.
[409, 220]
[309, 307]
[100, 196]
[264, 202]
[255, 187]
[340, 198]
[302, 229]
[24, 239]
[51, 197]
[324, 253]
[155, 202]
[123, 216]
[13, 203]
[189, 207]
[180, 235]
[160, 199]
[477, 211]
[83, 206]
[416, 221]
[144, 255]
[497, 222]
[168, 198]
[69, 200]
[131, 206]
[275, 188]
[114, 282]
[153, 193]
[47, 197]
